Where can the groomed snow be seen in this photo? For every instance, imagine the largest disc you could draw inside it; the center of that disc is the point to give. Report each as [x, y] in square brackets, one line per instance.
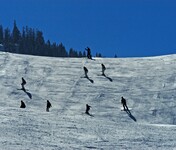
[148, 84]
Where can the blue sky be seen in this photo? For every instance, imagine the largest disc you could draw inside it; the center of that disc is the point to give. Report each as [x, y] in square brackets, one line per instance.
[127, 28]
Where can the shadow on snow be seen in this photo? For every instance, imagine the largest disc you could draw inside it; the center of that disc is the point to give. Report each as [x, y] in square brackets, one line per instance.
[107, 77]
[130, 115]
[28, 94]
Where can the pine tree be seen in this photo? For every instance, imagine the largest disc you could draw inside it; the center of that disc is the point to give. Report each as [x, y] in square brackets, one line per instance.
[84, 54]
[1, 35]
[31, 40]
[7, 40]
[39, 43]
[62, 51]
[98, 55]
[16, 37]
[80, 54]
[73, 53]
[54, 50]
[15, 34]
[22, 48]
[47, 48]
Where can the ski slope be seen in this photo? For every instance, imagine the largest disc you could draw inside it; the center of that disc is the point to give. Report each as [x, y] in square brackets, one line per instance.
[148, 84]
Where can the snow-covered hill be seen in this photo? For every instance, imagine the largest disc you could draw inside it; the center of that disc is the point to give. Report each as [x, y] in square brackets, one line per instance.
[148, 84]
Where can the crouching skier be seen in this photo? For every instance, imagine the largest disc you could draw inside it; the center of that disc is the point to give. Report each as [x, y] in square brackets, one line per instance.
[22, 105]
[87, 109]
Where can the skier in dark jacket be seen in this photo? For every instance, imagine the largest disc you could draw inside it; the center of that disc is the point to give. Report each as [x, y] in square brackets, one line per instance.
[22, 105]
[88, 53]
[87, 109]
[85, 72]
[123, 101]
[48, 105]
[22, 84]
[103, 69]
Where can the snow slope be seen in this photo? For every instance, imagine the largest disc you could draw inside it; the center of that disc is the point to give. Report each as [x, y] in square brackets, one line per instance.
[148, 84]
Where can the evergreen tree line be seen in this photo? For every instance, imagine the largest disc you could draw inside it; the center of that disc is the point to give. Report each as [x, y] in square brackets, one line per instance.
[32, 42]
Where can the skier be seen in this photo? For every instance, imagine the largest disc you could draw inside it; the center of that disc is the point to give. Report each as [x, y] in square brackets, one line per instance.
[85, 71]
[89, 56]
[87, 109]
[123, 101]
[22, 84]
[48, 105]
[103, 69]
[22, 105]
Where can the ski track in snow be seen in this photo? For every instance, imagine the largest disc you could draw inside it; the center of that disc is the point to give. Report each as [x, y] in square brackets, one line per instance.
[148, 84]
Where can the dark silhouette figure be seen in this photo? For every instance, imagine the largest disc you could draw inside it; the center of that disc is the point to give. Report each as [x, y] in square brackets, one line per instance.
[89, 56]
[23, 81]
[123, 101]
[87, 109]
[103, 72]
[103, 69]
[85, 72]
[86, 76]
[22, 105]
[22, 84]
[23, 88]
[48, 105]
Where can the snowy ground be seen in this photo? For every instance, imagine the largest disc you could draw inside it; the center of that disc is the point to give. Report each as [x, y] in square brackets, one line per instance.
[148, 84]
